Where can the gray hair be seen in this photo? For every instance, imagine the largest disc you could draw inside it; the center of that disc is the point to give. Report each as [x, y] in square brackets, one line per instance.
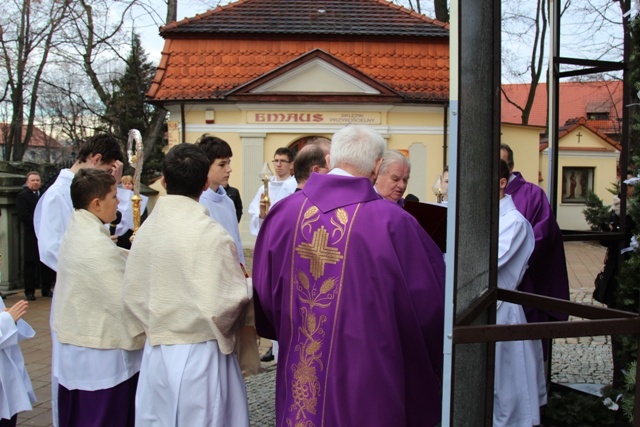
[358, 146]
[390, 157]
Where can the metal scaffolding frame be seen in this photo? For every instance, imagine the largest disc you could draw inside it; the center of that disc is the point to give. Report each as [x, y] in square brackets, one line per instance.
[472, 325]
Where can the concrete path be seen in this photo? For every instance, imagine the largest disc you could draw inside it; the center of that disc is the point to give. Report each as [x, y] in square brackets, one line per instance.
[575, 360]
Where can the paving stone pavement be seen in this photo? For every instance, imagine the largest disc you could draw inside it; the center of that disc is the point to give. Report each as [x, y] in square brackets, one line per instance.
[585, 359]
[575, 360]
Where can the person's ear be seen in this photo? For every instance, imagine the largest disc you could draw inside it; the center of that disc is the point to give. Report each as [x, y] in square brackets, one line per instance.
[95, 159]
[95, 205]
[315, 168]
[206, 184]
[503, 183]
[163, 182]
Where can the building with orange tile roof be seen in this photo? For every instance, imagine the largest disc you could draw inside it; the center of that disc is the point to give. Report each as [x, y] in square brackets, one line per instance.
[598, 102]
[263, 74]
[590, 114]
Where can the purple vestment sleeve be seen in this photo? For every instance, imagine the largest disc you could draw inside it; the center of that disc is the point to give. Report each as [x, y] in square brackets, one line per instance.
[547, 273]
[353, 289]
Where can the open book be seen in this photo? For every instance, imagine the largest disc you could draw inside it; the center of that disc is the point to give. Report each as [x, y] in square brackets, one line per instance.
[433, 218]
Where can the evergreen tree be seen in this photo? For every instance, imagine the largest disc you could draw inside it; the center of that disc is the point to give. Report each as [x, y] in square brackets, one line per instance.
[127, 108]
[634, 82]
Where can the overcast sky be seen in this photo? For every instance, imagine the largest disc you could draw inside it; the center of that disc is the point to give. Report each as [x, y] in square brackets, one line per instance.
[578, 25]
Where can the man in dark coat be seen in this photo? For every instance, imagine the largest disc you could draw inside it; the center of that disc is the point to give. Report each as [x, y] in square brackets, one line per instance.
[33, 272]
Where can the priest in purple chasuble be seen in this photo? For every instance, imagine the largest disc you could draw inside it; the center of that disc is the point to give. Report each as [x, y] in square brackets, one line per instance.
[353, 290]
[547, 272]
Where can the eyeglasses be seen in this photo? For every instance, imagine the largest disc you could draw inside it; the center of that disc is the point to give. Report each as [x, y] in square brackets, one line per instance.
[280, 161]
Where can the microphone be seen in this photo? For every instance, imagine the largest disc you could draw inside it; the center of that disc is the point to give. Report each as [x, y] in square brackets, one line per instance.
[114, 223]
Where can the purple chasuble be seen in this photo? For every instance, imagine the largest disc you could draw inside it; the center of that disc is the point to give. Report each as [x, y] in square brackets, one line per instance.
[353, 290]
[547, 272]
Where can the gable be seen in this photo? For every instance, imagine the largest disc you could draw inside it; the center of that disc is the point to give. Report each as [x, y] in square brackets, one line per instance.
[316, 76]
[582, 138]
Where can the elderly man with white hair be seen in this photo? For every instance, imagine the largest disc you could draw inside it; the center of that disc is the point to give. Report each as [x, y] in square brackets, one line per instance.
[353, 290]
[393, 176]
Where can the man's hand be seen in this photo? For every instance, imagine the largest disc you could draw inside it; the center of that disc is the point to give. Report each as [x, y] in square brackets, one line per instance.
[18, 310]
[264, 205]
[118, 166]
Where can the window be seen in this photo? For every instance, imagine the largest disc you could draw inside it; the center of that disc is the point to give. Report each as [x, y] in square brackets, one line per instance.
[598, 116]
[576, 182]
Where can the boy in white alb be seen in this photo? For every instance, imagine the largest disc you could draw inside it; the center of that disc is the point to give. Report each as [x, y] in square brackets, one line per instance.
[519, 388]
[98, 360]
[52, 215]
[185, 289]
[281, 185]
[16, 393]
[222, 210]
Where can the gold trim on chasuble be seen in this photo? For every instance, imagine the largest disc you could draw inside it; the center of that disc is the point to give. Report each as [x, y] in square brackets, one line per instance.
[317, 299]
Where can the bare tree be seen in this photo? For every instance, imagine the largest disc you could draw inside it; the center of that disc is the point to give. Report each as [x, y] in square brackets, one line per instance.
[96, 45]
[27, 35]
[529, 29]
[433, 8]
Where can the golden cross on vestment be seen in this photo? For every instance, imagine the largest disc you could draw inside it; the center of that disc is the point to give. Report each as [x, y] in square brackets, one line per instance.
[319, 253]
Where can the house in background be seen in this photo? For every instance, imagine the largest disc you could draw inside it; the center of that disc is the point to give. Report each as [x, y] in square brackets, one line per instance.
[303, 71]
[42, 148]
[311, 68]
[588, 145]
[587, 160]
[598, 102]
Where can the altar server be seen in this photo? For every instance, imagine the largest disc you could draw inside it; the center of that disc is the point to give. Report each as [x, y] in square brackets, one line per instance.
[16, 393]
[185, 289]
[519, 388]
[98, 360]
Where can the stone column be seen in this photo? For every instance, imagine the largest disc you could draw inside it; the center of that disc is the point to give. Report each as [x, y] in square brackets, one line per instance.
[419, 179]
[10, 240]
[252, 160]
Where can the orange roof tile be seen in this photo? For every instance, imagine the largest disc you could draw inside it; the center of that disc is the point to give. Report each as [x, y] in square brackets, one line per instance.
[576, 98]
[210, 55]
[415, 73]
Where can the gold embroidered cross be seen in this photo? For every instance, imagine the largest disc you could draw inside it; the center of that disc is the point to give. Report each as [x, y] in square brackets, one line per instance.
[318, 252]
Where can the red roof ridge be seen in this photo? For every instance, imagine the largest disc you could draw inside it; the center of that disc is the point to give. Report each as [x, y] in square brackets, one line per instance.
[235, 4]
[200, 16]
[573, 124]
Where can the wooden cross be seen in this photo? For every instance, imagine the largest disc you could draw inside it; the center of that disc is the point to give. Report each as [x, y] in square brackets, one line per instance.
[578, 135]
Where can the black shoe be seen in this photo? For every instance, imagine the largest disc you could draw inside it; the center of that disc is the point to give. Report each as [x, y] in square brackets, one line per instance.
[268, 356]
[30, 297]
[47, 294]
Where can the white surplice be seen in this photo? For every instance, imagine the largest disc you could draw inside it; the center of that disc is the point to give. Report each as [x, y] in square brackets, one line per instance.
[188, 385]
[16, 392]
[520, 387]
[278, 190]
[51, 217]
[223, 211]
[50, 221]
